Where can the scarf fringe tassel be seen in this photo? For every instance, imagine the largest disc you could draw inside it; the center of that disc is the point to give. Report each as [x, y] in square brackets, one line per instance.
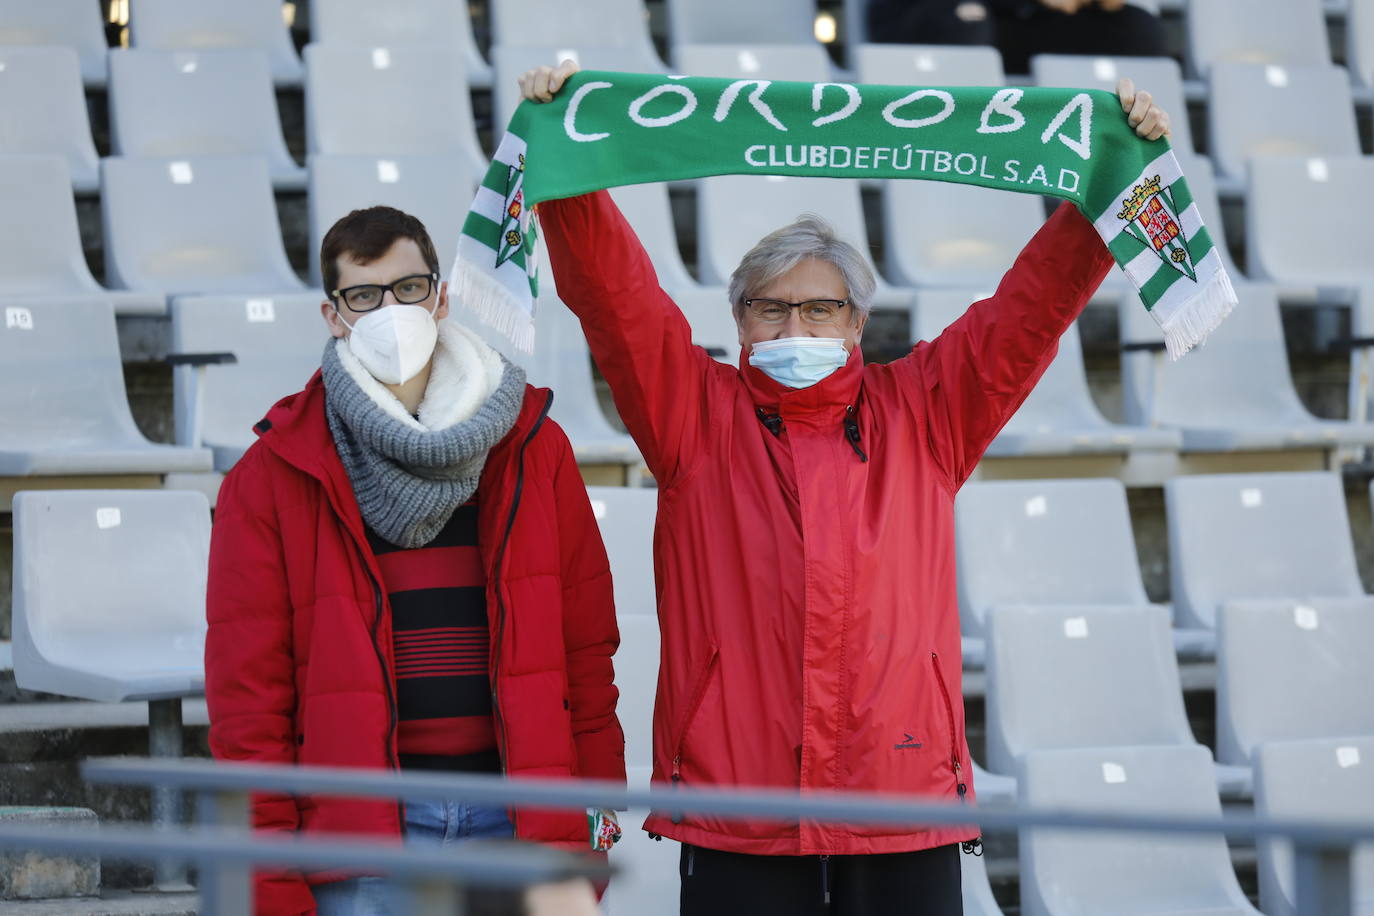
[1208, 308]
[492, 303]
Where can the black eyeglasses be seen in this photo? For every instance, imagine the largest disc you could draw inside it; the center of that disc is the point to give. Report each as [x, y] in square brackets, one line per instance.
[813, 311]
[367, 296]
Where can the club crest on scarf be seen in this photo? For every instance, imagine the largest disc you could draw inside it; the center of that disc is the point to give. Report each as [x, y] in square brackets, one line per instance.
[1152, 219]
[516, 221]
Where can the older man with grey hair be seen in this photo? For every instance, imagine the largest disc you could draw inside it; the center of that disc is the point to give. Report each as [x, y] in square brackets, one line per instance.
[804, 546]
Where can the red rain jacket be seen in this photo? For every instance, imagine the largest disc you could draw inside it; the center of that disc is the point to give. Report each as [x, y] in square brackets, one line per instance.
[806, 596]
[298, 658]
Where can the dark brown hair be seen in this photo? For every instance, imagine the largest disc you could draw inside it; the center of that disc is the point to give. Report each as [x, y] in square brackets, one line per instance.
[366, 235]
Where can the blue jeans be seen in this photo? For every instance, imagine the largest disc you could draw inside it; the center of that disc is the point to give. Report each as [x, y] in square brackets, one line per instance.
[430, 823]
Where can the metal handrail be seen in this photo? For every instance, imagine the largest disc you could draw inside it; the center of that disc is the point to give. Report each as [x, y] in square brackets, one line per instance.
[849, 807]
[1322, 849]
[225, 855]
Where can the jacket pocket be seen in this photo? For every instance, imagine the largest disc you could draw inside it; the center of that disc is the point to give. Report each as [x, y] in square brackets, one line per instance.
[695, 698]
[955, 763]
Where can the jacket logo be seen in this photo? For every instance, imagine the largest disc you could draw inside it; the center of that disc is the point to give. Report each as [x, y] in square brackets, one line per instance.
[909, 743]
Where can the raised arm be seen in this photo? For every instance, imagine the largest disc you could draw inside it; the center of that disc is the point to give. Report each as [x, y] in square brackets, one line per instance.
[639, 337]
[974, 376]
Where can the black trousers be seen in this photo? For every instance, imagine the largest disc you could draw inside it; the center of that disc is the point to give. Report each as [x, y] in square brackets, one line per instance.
[718, 883]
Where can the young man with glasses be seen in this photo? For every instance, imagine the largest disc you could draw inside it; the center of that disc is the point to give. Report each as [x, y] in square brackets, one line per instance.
[805, 537]
[405, 573]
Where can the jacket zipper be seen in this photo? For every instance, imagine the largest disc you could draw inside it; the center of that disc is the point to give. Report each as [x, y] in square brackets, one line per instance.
[698, 694]
[959, 785]
[501, 737]
[378, 604]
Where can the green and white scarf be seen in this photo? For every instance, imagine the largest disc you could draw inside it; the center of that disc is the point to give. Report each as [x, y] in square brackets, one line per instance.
[607, 129]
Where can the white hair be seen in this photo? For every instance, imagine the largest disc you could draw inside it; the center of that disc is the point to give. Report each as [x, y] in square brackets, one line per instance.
[779, 251]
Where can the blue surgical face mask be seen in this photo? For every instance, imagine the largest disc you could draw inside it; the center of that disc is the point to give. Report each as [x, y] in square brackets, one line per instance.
[798, 362]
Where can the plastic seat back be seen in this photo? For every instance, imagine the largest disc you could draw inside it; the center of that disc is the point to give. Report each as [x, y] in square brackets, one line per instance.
[430, 188]
[185, 104]
[1319, 114]
[110, 592]
[189, 226]
[1080, 872]
[75, 24]
[1326, 779]
[1292, 670]
[1257, 536]
[1044, 542]
[1064, 677]
[43, 110]
[390, 100]
[181, 25]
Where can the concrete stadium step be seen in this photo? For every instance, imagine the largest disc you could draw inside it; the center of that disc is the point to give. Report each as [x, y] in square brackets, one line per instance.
[109, 903]
[27, 874]
[42, 744]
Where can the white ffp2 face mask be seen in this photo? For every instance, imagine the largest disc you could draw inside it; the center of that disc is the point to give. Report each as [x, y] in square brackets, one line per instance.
[394, 342]
[798, 362]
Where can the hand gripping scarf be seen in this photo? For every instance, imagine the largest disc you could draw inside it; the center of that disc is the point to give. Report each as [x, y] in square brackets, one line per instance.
[607, 129]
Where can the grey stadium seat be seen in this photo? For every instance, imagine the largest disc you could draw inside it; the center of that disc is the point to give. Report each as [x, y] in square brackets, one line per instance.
[181, 25]
[1319, 114]
[185, 104]
[509, 61]
[589, 23]
[429, 188]
[735, 211]
[67, 413]
[647, 873]
[975, 887]
[1359, 31]
[1235, 394]
[400, 24]
[41, 257]
[1160, 75]
[726, 21]
[1234, 31]
[1239, 537]
[277, 341]
[935, 65]
[1048, 543]
[807, 62]
[562, 361]
[636, 674]
[41, 95]
[1328, 779]
[1291, 670]
[1088, 873]
[109, 593]
[412, 99]
[648, 210]
[625, 516]
[1298, 219]
[1085, 676]
[942, 234]
[75, 24]
[1059, 417]
[194, 227]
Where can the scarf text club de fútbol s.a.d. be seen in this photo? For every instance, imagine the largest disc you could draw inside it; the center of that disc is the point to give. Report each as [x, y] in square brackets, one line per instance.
[608, 129]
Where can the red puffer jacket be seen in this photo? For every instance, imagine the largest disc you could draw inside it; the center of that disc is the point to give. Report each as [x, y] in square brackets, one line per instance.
[298, 658]
[807, 593]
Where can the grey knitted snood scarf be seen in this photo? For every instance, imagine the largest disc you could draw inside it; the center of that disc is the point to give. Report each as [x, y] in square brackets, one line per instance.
[408, 480]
